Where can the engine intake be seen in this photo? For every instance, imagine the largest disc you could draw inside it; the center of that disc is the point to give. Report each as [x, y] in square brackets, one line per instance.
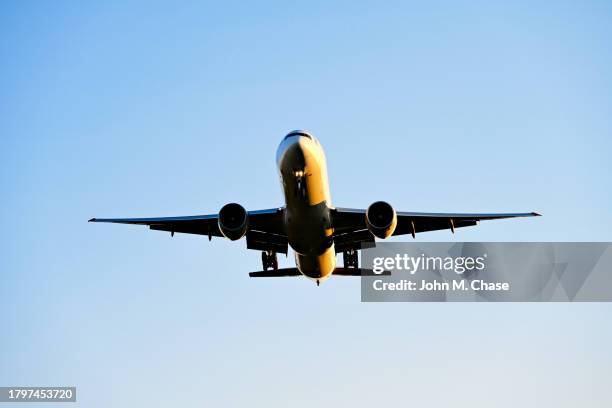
[381, 219]
[233, 221]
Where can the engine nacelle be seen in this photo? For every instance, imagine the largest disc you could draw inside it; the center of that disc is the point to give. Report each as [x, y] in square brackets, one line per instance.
[381, 219]
[233, 221]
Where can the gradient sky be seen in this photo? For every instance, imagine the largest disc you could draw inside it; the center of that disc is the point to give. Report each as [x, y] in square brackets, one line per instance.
[152, 109]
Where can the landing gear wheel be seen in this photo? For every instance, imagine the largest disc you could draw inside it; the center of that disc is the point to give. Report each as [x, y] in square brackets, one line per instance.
[269, 260]
[350, 258]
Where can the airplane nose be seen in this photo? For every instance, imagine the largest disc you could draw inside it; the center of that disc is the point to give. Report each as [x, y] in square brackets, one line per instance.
[292, 146]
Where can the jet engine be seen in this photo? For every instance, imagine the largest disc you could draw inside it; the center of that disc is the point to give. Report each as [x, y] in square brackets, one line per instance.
[233, 221]
[381, 219]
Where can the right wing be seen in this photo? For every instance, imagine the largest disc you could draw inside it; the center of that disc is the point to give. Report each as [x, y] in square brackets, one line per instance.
[192, 224]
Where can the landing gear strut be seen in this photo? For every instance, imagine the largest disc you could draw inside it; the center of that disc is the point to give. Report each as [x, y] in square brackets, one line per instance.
[300, 182]
[269, 261]
[350, 258]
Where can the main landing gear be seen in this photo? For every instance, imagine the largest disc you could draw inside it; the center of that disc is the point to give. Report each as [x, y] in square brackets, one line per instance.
[269, 261]
[350, 258]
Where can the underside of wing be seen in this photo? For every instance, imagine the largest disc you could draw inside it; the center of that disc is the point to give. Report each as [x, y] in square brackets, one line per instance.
[351, 228]
[193, 224]
[415, 222]
[264, 229]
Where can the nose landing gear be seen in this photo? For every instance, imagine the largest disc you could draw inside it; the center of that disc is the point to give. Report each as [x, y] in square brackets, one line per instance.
[269, 260]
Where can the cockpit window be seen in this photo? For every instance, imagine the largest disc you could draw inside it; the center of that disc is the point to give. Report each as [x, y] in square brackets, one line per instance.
[299, 133]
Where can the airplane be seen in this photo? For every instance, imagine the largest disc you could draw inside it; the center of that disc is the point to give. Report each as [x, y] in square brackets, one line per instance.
[308, 223]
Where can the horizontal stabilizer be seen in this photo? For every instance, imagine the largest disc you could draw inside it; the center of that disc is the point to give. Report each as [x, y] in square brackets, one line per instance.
[276, 273]
[279, 273]
[359, 272]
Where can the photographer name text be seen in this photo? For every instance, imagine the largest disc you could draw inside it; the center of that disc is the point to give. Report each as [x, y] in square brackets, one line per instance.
[439, 286]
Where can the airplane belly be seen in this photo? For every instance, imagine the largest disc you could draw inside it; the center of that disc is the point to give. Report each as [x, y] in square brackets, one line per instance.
[317, 267]
[308, 229]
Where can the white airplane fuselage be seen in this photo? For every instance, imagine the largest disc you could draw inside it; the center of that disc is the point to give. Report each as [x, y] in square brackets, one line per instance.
[303, 172]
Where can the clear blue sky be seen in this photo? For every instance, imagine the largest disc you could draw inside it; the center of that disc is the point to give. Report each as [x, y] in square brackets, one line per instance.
[148, 108]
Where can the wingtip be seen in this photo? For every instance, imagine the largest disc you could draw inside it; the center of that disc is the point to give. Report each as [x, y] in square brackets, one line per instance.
[92, 220]
[535, 214]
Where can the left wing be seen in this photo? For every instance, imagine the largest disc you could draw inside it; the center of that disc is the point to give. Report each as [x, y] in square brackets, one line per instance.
[265, 231]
